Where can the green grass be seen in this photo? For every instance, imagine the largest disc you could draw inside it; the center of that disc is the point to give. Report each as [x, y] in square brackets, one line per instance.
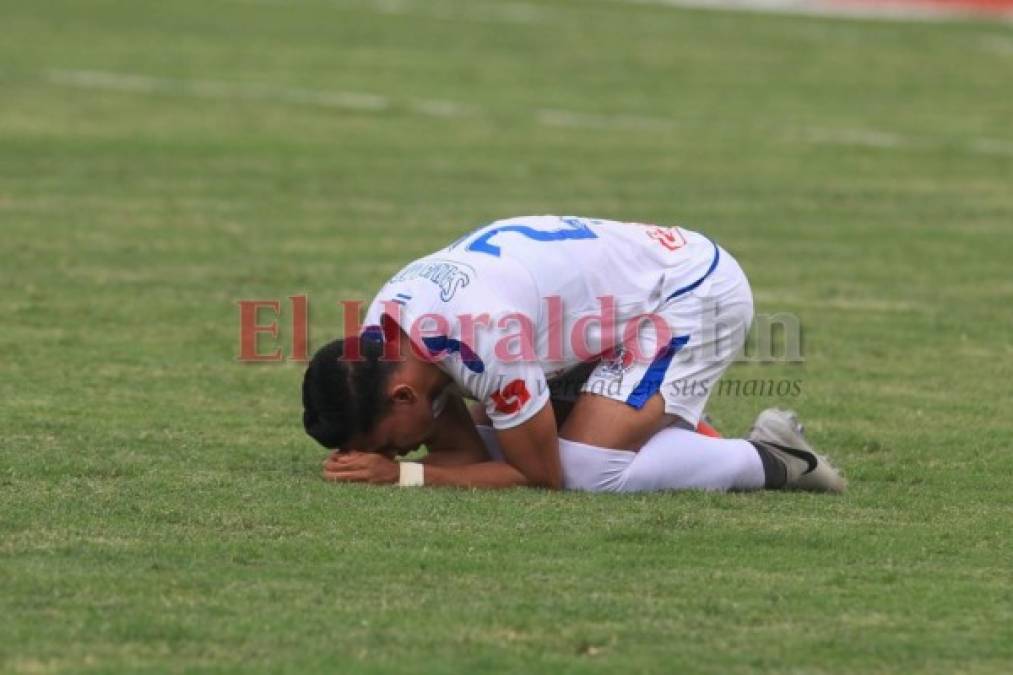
[160, 507]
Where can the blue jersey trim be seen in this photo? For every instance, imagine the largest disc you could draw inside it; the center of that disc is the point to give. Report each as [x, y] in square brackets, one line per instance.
[438, 344]
[655, 375]
[695, 284]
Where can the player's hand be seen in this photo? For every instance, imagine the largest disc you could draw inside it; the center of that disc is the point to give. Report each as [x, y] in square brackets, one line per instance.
[360, 467]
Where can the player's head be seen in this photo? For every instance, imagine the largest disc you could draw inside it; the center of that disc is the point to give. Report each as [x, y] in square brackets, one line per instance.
[366, 403]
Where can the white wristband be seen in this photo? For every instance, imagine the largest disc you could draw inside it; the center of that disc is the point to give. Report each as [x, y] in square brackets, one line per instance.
[412, 474]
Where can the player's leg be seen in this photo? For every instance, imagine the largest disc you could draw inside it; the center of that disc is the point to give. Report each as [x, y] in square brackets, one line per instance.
[678, 459]
[664, 374]
[672, 459]
[776, 455]
[607, 445]
[624, 432]
[566, 388]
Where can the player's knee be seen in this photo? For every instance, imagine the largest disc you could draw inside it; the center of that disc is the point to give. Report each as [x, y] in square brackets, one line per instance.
[587, 468]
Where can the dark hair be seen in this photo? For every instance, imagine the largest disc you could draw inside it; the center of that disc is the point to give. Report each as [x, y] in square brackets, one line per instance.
[343, 397]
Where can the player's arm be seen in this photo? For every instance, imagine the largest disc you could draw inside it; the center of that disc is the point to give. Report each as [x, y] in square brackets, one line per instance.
[455, 441]
[531, 450]
[457, 458]
[378, 469]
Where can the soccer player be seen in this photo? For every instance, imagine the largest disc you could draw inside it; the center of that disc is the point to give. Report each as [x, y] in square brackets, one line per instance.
[591, 346]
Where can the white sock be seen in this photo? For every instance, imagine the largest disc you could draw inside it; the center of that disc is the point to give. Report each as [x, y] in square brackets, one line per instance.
[674, 459]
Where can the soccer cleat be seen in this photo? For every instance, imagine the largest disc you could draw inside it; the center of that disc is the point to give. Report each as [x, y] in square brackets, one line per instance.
[782, 435]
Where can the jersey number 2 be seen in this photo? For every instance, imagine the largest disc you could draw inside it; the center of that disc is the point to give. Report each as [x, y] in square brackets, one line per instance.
[577, 229]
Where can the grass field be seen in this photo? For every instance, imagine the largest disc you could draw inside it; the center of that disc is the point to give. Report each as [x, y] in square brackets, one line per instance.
[160, 507]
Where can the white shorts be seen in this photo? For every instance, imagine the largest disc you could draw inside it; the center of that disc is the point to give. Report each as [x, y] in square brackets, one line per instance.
[706, 330]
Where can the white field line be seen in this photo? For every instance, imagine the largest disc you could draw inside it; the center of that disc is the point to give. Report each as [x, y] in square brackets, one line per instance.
[527, 13]
[498, 12]
[342, 100]
[554, 117]
[441, 108]
[827, 9]
[446, 109]
[93, 79]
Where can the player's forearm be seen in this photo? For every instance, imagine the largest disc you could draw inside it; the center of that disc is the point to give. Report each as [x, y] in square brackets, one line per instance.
[485, 475]
[455, 441]
[459, 456]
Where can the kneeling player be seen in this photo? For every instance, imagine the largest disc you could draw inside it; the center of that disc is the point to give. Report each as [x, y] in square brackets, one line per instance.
[592, 347]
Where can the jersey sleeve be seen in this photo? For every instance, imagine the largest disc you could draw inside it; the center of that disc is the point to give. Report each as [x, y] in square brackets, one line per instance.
[453, 317]
[514, 393]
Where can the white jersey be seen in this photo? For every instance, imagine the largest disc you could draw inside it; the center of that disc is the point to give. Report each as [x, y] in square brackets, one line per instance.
[520, 301]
